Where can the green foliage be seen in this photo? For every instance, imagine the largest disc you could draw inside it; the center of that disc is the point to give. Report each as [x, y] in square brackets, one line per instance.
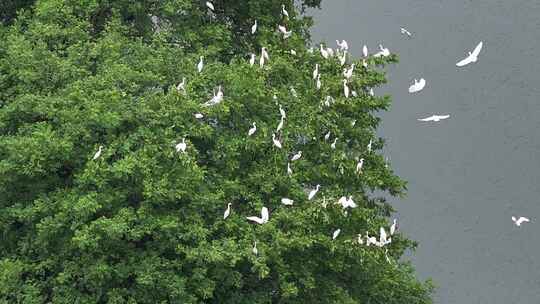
[144, 223]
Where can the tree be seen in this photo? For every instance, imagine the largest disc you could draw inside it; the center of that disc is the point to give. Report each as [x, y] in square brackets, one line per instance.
[144, 223]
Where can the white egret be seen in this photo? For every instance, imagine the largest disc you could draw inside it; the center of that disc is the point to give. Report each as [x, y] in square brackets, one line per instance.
[394, 227]
[181, 147]
[218, 97]
[318, 83]
[293, 52]
[384, 52]
[405, 32]
[348, 73]
[316, 71]
[350, 203]
[297, 156]
[333, 145]
[371, 92]
[210, 5]
[98, 153]
[280, 125]
[313, 192]
[520, 220]
[343, 59]
[324, 52]
[227, 211]
[182, 86]
[282, 112]
[417, 86]
[353, 123]
[264, 56]
[254, 249]
[327, 136]
[434, 118]
[382, 238]
[360, 240]
[276, 141]
[336, 234]
[200, 65]
[287, 201]
[330, 52]
[253, 129]
[198, 115]
[289, 170]
[283, 30]
[252, 59]
[343, 45]
[369, 146]
[346, 89]
[254, 27]
[359, 165]
[365, 51]
[284, 11]
[342, 201]
[260, 220]
[473, 56]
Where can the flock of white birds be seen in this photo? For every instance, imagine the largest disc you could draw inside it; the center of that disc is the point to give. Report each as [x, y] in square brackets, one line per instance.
[341, 53]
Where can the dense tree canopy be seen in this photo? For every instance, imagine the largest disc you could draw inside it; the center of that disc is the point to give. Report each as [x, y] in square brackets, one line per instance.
[143, 223]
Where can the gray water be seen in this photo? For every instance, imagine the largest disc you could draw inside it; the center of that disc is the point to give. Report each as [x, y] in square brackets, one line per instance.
[467, 175]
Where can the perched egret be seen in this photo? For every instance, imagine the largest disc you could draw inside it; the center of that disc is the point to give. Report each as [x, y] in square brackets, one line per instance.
[417, 86]
[365, 51]
[473, 56]
[346, 89]
[254, 249]
[316, 71]
[181, 147]
[289, 170]
[359, 165]
[330, 52]
[287, 201]
[252, 59]
[297, 156]
[283, 30]
[260, 220]
[348, 73]
[394, 227]
[253, 129]
[198, 115]
[218, 97]
[280, 125]
[327, 136]
[434, 118]
[200, 65]
[254, 27]
[520, 220]
[384, 52]
[369, 146]
[276, 141]
[324, 52]
[98, 153]
[313, 192]
[336, 234]
[318, 83]
[210, 5]
[343, 59]
[382, 238]
[360, 240]
[350, 203]
[371, 92]
[264, 56]
[293, 52]
[181, 87]
[405, 32]
[284, 11]
[227, 211]
[343, 45]
[333, 145]
[282, 112]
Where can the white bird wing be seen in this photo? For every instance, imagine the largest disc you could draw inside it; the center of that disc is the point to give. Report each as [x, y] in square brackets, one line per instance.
[440, 117]
[465, 61]
[255, 219]
[335, 234]
[264, 214]
[431, 118]
[413, 88]
[477, 49]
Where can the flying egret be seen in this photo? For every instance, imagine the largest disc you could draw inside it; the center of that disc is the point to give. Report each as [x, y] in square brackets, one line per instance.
[324, 52]
[336, 234]
[254, 27]
[333, 145]
[280, 125]
[365, 51]
[182, 86]
[200, 65]
[260, 220]
[276, 141]
[313, 192]
[318, 83]
[289, 170]
[316, 71]
[346, 89]
[284, 11]
[287, 201]
[253, 129]
[359, 165]
[198, 115]
[473, 56]
[227, 211]
[181, 147]
[343, 45]
[369, 146]
[210, 5]
[434, 118]
[520, 220]
[297, 156]
[254, 249]
[393, 227]
[405, 32]
[98, 153]
[252, 59]
[417, 86]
